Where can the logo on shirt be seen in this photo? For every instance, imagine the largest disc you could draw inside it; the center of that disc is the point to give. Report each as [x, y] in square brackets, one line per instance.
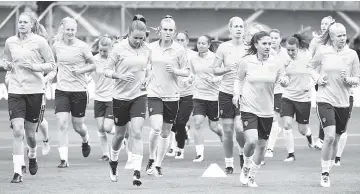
[324, 120]
[116, 120]
[246, 123]
[150, 109]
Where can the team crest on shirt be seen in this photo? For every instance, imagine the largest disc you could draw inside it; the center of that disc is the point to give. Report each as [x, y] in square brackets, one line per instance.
[246, 123]
[324, 120]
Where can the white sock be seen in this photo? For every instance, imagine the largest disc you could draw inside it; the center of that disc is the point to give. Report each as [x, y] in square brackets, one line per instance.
[325, 166]
[289, 140]
[154, 141]
[85, 138]
[114, 155]
[332, 162]
[241, 150]
[253, 170]
[161, 151]
[104, 143]
[247, 161]
[172, 141]
[229, 162]
[32, 152]
[18, 160]
[273, 135]
[341, 144]
[63, 151]
[23, 162]
[130, 156]
[199, 150]
[137, 160]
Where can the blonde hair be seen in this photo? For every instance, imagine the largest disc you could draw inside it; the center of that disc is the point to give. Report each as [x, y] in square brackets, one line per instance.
[231, 21]
[37, 28]
[325, 38]
[60, 34]
[103, 40]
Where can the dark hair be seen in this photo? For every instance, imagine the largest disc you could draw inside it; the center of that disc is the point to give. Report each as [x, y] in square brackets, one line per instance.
[257, 36]
[301, 41]
[141, 18]
[209, 42]
[214, 45]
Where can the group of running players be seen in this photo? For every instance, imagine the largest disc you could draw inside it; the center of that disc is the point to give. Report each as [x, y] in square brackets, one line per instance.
[249, 85]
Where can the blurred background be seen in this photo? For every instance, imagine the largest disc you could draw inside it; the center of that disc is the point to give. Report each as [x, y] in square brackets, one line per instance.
[197, 17]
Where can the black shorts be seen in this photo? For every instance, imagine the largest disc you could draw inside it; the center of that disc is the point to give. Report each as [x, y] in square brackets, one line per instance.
[74, 102]
[168, 109]
[207, 108]
[103, 109]
[26, 106]
[333, 116]
[124, 110]
[185, 109]
[226, 107]
[301, 110]
[277, 102]
[262, 124]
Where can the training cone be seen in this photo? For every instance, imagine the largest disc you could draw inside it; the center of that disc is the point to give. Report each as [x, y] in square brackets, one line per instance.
[214, 170]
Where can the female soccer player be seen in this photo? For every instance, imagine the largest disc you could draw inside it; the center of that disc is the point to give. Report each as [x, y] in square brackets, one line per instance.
[296, 98]
[281, 56]
[179, 129]
[227, 56]
[169, 61]
[206, 94]
[74, 59]
[128, 64]
[26, 55]
[339, 71]
[257, 74]
[104, 86]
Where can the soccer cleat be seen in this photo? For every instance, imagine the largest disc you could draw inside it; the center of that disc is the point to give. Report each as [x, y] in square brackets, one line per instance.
[269, 153]
[17, 178]
[158, 172]
[33, 166]
[337, 161]
[251, 182]
[290, 158]
[241, 161]
[262, 163]
[179, 155]
[23, 169]
[113, 174]
[86, 149]
[63, 164]
[129, 165]
[310, 142]
[104, 158]
[46, 148]
[199, 158]
[170, 153]
[150, 167]
[229, 170]
[318, 144]
[325, 179]
[244, 175]
[136, 178]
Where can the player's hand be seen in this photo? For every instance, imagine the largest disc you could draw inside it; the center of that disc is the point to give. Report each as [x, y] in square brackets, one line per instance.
[128, 77]
[322, 81]
[25, 63]
[236, 101]
[284, 81]
[169, 68]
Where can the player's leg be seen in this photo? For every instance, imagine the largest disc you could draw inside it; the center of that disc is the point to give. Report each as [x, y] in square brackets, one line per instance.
[303, 110]
[99, 113]
[155, 106]
[17, 112]
[79, 102]
[276, 128]
[343, 137]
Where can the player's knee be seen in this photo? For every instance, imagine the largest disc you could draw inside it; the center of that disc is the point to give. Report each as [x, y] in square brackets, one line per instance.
[330, 138]
[18, 132]
[63, 124]
[136, 135]
[107, 127]
[287, 125]
[228, 131]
